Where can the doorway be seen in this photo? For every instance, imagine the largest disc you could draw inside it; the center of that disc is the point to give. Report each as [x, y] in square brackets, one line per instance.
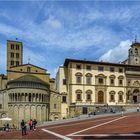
[100, 97]
[85, 110]
[135, 99]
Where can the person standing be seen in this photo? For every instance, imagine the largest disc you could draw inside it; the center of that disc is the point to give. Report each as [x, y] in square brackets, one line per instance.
[138, 109]
[4, 127]
[34, 124]
[7, 127]
[31, 124]
[23, 127]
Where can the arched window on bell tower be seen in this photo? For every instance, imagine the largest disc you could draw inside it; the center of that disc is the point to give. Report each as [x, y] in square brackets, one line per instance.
[136, 51]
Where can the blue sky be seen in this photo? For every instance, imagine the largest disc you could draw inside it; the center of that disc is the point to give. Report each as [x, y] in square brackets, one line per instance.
[54, 30]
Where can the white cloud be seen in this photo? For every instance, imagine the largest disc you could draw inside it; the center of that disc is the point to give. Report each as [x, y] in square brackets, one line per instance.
[51, 31]
[118, 53]
[67, 29]
[64, 40]
[5, 15]
[53, 22]
[9, 31]
[35, 57]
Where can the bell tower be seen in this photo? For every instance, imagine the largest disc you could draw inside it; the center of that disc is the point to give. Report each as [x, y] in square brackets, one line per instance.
[14, 53]
[134, 53]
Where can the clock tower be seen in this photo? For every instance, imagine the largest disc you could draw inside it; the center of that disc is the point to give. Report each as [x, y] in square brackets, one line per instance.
[134, 54]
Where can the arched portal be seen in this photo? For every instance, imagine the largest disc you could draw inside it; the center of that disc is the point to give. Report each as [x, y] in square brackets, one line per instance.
[135, 96]
[100, 97]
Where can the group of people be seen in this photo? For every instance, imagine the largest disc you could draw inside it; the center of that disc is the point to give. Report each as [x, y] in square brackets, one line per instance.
[91, 113]
[32, 126]
[7, 127]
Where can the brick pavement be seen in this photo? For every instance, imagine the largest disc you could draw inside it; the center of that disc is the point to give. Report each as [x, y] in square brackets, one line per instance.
[128, 125]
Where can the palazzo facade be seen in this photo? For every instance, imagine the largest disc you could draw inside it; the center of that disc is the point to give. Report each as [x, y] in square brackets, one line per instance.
[86, 85]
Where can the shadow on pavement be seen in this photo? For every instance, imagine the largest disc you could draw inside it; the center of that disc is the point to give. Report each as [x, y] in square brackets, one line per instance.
[112, 137]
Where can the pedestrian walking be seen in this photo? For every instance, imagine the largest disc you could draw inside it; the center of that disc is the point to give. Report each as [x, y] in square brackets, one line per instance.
[23, 127]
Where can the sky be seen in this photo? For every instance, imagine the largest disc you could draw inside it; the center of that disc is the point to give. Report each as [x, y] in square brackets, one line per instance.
[52, 31]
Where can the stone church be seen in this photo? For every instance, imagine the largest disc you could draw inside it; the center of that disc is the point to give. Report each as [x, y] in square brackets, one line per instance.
[26, 91]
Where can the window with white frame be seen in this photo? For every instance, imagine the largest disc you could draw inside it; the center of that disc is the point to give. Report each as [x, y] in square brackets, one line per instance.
[120, 80]
[112, 96]
[78, 78]
[112, 80]
[88, 78]
[120, 96]
[88, 95]
[78, 95]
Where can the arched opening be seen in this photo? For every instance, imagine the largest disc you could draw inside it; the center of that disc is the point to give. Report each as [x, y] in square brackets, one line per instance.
[42, 97]
[3, 115]
[33, 97]
[100, 97]
[88, 95]
[19, 97]
[36, 97]
[16, 97]
[135, 96]
[78, 78]
[29, 97]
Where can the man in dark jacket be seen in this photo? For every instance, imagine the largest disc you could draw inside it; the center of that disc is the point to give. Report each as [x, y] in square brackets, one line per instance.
[23, 127]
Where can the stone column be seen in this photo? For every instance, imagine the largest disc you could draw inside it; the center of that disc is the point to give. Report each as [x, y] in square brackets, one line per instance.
[24, 97]
[11, 97]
